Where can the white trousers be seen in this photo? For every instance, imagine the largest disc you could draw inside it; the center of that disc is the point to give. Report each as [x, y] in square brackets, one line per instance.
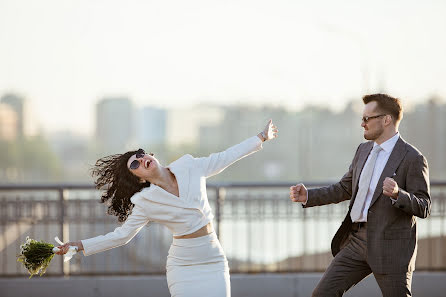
[198, 267]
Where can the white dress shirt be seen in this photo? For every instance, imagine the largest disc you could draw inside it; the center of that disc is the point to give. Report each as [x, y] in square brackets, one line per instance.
[381, 161]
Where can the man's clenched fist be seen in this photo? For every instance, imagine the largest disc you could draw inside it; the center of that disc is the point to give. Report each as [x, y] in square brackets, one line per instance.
[390, 188]
[298, 193]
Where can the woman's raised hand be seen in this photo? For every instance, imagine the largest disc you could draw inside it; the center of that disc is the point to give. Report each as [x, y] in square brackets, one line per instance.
[270, 131]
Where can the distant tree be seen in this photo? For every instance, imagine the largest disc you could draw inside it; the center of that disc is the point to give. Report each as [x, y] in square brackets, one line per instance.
[28, 160]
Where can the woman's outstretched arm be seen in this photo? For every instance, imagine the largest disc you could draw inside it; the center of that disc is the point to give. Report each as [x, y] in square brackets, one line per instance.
[120, 236]
[217, 162]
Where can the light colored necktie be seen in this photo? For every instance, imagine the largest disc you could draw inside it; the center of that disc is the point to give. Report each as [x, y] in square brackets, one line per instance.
[364, 184]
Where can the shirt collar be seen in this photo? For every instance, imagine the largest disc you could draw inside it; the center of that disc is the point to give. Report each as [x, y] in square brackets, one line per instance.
[389, 144]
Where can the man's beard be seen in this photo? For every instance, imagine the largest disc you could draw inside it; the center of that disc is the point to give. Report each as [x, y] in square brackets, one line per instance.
[373, 136]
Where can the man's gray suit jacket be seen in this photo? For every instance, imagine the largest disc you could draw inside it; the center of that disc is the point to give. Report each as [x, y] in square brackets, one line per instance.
[391, 226]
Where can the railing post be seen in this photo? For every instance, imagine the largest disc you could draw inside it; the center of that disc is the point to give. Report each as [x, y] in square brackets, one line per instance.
[220, 196]
[304, 241]
[63, 227]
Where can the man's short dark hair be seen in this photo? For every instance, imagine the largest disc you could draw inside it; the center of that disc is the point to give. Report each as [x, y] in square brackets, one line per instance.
[386, 104]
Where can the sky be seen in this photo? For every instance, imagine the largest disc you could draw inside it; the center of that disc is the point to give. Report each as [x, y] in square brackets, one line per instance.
[64, 56]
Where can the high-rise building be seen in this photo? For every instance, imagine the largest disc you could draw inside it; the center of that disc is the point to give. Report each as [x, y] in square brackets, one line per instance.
[17, 105]
[114, 124]
[425, 127]
[8, 123]
[151, 124]
[183, 124]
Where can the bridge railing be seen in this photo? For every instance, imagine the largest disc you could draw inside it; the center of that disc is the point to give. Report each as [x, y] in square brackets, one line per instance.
[259, 228]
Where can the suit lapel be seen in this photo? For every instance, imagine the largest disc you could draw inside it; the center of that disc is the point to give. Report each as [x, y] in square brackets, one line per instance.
[397, 155]
[362, 159]
[159, 195]
[363, 155]
[182, 176]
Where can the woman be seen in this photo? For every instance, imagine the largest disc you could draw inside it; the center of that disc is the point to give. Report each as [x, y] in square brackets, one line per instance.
[141, 190]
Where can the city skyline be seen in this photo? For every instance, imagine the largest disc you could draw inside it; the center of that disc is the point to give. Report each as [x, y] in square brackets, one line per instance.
[299, 153]
[36, 125]
[65, 56]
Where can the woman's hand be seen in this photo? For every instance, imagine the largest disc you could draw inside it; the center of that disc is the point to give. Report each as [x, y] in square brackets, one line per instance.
[64, 248]
[270, 132]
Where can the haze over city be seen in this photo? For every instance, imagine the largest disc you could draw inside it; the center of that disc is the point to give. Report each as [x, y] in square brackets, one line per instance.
[64, 56]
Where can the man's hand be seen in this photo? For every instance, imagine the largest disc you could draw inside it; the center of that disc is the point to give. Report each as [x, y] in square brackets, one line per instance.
[298, 193]
[390, 188]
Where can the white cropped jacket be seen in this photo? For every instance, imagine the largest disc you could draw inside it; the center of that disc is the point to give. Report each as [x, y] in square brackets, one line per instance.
[182, 215]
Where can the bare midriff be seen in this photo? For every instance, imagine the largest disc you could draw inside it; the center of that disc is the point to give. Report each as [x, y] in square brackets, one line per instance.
[203, 231]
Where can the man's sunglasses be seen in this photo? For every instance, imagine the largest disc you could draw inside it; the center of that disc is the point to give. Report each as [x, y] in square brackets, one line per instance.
[367, 119]
[139, 154]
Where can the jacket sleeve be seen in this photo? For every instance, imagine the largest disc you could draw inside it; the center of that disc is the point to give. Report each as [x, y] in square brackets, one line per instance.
[335, 193]
[120, 236]
[217, 162]
[415, 199]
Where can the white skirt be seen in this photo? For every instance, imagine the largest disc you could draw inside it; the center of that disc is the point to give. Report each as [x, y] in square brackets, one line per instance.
[198, 267]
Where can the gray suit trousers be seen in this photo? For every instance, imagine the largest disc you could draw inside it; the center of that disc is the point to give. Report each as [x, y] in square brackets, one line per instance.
[350, 266]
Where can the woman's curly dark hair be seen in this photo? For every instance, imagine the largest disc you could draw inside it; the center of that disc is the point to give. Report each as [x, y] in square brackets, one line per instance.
[119, 184]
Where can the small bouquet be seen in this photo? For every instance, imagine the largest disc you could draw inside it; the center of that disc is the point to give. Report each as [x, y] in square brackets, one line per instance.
[37, 255]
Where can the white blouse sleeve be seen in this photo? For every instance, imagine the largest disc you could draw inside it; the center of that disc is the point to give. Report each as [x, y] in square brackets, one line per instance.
[120, 236]
[217, 162]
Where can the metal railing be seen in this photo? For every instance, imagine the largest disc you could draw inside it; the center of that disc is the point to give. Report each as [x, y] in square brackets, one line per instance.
[259, 228]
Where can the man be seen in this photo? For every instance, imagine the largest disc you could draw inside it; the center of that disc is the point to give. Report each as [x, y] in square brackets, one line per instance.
[388, 187]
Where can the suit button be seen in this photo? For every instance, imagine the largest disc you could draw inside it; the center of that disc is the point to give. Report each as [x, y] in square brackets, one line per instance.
[401, 206]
